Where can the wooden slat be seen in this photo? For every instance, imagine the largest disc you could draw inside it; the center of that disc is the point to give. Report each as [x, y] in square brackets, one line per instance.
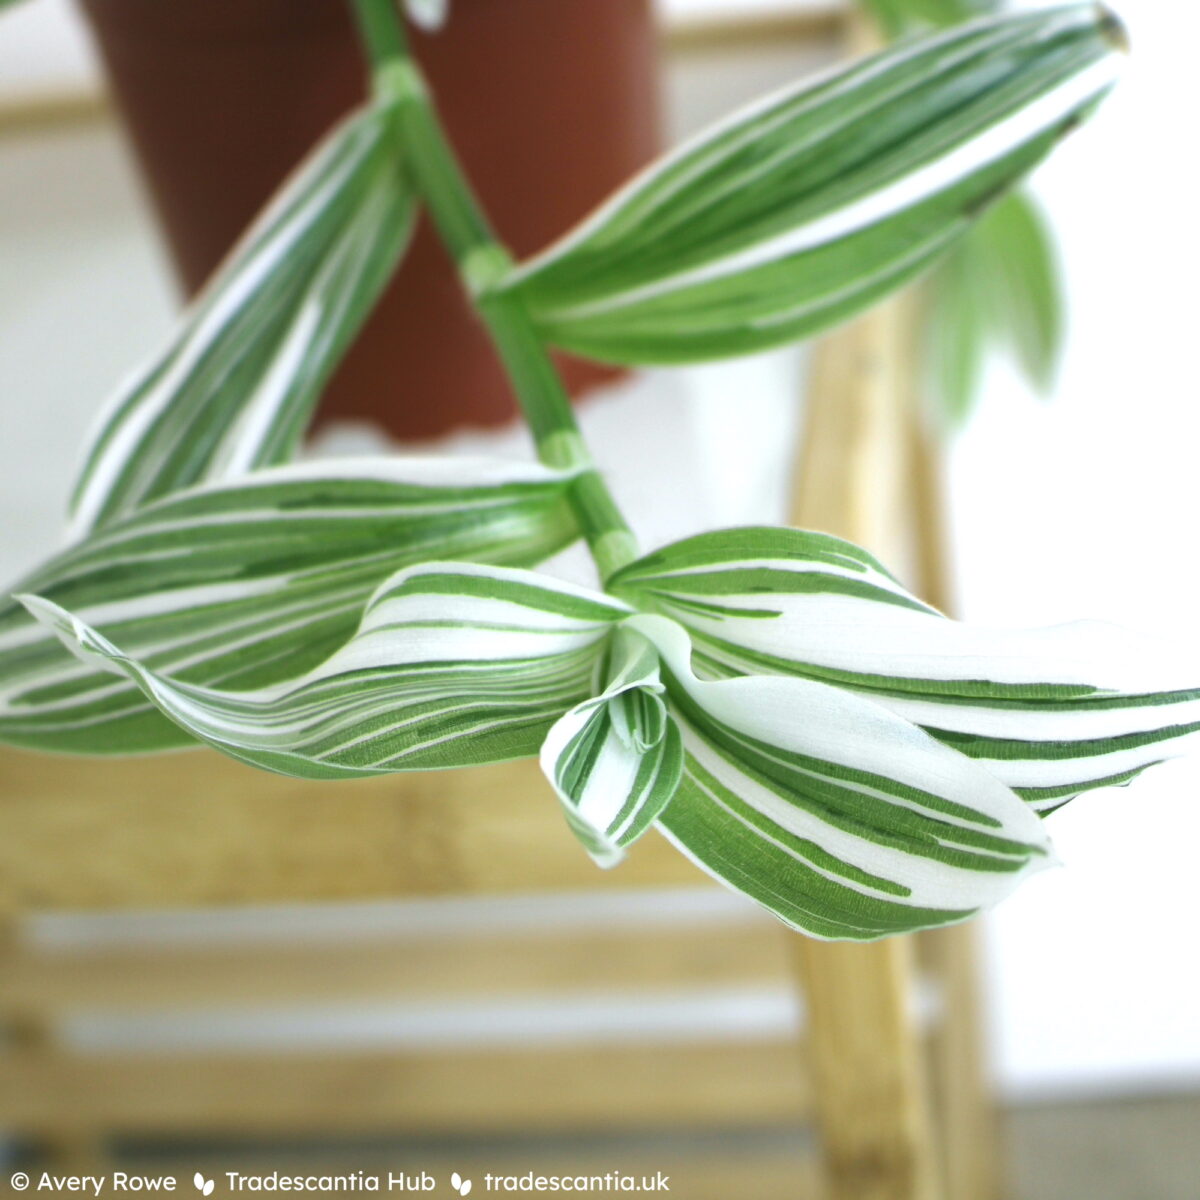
[39, 113]
[555, 1090]
[135, 979]
[757, 30]
[27, 1033]
[198, 829]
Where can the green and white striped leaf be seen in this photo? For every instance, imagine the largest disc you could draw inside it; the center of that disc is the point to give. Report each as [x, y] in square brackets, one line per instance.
[245, 584]
[809, 207]
[236, 384]
[616, 759]
[1050, 712]
[843, 819]
[453, 664]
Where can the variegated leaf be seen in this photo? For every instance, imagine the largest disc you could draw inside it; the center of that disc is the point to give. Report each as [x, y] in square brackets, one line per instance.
[245, 584]
[453, 664]
[234, 387]
[807, 208]
[1027, 299]
[616, 759]
[1050, 712]
[998, 286]
[841, 818]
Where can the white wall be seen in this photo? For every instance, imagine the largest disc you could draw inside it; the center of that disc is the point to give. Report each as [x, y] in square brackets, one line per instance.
[43, 49]
[1087, 507]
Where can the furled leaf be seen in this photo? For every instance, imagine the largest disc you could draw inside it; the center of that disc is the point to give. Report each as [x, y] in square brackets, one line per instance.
[453, 664]
[809, 207]
[1051, 712]
[245, 584]
[615, 760]
[841, 818]
[236, 384]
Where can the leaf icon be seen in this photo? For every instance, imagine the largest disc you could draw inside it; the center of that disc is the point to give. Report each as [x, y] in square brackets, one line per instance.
[203, 1185]
[466, 1187]
[455, 1180]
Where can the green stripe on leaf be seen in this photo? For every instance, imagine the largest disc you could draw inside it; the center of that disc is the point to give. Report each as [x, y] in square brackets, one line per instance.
[811, 205]
[236, 384]
[245, 584]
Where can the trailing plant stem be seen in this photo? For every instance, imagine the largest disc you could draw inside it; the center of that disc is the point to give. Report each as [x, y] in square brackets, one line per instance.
[468, 235]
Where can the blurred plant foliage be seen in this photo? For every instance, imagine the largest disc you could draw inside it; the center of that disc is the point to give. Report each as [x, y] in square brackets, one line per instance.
[899, 17]
[772, 701]
[999, 287]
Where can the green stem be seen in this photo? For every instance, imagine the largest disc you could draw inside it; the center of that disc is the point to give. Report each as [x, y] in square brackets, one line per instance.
[482, 260]
[381, 31]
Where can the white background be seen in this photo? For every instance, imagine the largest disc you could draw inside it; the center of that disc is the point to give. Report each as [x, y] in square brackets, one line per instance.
[1083, 507]
[1087, 507]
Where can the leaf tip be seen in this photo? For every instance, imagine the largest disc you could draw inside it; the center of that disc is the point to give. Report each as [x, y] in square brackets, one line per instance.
[1113, 29]
[41, 609]
[83, 641]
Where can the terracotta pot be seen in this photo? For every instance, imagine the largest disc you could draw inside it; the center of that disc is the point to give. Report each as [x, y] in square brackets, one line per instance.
[550, 103]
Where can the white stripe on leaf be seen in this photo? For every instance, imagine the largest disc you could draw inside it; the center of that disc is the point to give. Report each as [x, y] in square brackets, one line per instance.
[841, 818]
[807, 207]
[235, 384]
[908, 192]
[248, 583]
[406, 692]
[1076, 704]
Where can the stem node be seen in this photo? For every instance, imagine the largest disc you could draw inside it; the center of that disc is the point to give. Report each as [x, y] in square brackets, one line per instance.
[482, 263]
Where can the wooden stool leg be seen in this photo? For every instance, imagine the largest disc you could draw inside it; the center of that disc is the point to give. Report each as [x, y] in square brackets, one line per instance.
[963, 1103]
[872, 1110]
[868, 1072]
